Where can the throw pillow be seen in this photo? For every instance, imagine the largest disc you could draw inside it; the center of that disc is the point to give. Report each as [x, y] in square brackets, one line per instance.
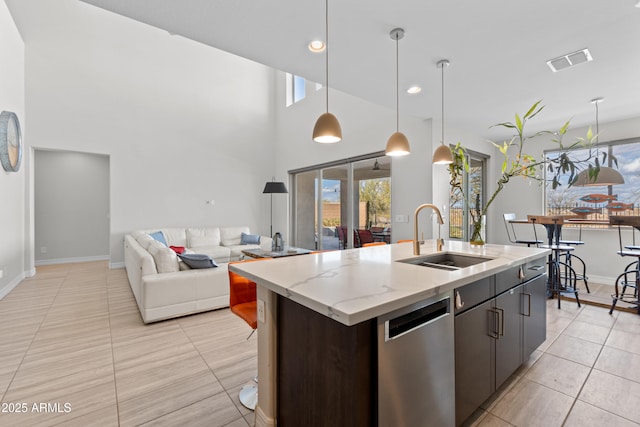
[159, 236]
[198, 260]
[178, 249]
[249, 239]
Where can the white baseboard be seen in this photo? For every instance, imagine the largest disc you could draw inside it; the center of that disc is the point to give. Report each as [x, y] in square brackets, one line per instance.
[603, 280]
[115, 265]
[72, 260]
[11, 285]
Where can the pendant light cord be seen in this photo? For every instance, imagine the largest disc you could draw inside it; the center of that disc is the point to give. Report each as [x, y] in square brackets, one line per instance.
[442, 67]
[397, 86]
[326, 36]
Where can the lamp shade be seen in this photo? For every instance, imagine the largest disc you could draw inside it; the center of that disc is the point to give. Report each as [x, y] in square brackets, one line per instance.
[397, 145]
[442, 155]
[327, 129]
[606, 176]
[272, 187]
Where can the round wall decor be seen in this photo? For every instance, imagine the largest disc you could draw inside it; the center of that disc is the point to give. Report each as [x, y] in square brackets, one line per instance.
[10, 141]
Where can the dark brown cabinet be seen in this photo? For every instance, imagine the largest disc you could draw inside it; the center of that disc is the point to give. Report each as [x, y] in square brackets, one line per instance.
[495, 336]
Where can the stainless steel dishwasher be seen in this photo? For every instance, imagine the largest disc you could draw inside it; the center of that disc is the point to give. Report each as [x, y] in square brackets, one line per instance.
[416, 365]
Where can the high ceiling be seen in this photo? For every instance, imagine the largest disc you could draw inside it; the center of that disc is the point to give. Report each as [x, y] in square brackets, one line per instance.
[497, 48]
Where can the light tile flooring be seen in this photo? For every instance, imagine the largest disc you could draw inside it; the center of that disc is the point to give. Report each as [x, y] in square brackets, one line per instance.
[72, 334]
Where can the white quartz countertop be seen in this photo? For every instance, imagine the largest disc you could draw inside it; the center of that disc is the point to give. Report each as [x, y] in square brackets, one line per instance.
[355, 285]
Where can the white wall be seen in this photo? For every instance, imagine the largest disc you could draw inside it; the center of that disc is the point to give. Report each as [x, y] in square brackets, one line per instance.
[71, 200]
[365, 129]
[13, 213]
[183, 123]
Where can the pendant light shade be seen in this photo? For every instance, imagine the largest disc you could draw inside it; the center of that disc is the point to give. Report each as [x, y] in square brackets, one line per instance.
[442, 155]
[327, 129]
[606, 175]
[398, 144]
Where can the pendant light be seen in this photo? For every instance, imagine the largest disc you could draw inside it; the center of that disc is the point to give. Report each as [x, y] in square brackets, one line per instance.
[606, 175]
[327, 129]
[398, 144]
[442, 155]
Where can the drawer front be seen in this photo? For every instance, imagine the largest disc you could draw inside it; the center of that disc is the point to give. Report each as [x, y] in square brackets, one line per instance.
[472, 294]
[509, 278]
[514, 276]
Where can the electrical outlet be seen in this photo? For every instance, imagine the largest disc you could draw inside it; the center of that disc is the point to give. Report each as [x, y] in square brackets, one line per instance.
[261, 313]
[43, 249]
[210, 202]
[402, 218]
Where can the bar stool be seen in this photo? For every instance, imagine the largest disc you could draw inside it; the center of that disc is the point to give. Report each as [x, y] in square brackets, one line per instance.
[243, 303]
[570, 257]
[628, 282]
[508, 217]
[562, 277]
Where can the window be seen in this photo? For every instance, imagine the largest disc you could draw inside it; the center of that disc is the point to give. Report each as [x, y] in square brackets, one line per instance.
[473, 185]
[600, 202]
[296, 88]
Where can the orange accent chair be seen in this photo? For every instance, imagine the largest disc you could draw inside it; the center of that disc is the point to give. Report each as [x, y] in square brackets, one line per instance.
[373, 244]
[405, 240]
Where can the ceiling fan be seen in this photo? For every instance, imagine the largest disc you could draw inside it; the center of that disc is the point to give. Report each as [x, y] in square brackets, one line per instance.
[378, 167]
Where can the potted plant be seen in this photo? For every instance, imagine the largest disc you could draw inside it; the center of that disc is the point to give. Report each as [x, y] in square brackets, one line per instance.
[517, 163]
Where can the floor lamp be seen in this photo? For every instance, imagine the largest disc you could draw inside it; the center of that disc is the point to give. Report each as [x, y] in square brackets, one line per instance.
[272, 188]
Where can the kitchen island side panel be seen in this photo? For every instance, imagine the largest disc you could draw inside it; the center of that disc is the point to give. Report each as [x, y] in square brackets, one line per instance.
[326, 370]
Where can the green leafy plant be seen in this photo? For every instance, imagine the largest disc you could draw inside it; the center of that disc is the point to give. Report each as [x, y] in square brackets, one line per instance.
[517, 163]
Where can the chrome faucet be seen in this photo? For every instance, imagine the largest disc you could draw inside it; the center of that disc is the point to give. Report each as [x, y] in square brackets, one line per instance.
[416, 243]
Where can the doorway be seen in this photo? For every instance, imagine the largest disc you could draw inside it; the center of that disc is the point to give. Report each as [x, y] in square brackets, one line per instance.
[71, 207]
[472, 196]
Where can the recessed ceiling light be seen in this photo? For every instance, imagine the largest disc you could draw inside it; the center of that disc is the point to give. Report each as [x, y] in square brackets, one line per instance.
[569, 60]
[414, 89]
[638, 5]
[316, 46]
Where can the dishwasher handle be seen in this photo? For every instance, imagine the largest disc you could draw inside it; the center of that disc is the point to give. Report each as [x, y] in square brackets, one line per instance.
[401, 325]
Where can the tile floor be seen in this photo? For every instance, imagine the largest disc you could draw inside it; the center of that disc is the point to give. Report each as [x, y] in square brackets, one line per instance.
[73, 335]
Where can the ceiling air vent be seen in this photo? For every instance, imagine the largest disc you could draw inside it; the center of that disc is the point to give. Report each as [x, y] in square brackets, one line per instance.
[569, 60]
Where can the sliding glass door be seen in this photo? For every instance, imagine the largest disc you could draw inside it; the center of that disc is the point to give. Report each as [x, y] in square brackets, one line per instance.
[335, 203]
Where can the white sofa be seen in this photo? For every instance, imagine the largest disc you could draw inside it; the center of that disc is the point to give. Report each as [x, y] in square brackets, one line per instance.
[165, 287]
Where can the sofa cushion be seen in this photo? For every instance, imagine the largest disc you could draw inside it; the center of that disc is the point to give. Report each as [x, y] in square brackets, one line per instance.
[166, 259]
[231, 236]
[218, 253]
[249, 239]
[159, 236]
[199, 237]
[198, 260]
[145, 240]
[176, 236]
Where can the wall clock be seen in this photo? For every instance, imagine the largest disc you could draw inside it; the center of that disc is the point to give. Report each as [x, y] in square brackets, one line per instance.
[10, 141]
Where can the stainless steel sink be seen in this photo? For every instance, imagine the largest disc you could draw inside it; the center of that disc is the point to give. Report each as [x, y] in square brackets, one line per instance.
[446, 261]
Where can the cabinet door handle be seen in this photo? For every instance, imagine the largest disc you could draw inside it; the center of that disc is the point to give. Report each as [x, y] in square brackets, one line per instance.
[459, 302]
[528, 314]
[500, 321]
[492, 324]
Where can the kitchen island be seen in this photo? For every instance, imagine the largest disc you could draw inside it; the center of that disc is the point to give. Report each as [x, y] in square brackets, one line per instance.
[318, 323]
